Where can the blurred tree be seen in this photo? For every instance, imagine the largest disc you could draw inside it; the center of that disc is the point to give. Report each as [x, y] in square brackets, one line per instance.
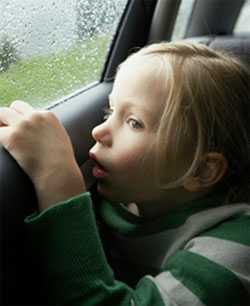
[8, 53]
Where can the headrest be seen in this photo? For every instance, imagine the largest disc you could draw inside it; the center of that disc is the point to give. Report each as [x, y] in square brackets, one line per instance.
[237, 45]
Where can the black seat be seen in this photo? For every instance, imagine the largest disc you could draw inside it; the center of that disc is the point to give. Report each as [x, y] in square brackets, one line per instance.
[237, 45]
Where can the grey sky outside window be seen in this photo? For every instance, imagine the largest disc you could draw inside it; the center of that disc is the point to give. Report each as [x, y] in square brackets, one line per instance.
[182, 19]
[243, 22]
[52, 48]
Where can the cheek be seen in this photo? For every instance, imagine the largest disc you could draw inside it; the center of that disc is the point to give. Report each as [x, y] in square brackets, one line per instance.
[134, 163]
[128, 160]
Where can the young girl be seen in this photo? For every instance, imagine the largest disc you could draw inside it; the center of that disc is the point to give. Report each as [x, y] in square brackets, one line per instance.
[172, 162]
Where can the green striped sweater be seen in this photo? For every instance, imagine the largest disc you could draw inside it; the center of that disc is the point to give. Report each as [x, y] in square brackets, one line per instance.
[197, 256]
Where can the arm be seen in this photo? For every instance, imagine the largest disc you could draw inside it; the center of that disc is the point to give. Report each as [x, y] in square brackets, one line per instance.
[74, 261]
[78, 273]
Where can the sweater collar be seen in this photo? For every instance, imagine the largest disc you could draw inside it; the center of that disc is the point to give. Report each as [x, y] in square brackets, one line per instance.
[121, 220]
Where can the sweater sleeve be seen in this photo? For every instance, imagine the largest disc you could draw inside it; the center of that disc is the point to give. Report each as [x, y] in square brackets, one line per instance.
[77, 272]
[73, 260]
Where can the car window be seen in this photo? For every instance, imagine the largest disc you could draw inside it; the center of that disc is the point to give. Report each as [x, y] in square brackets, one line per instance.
[51, 48]
[182, 19]
[243, 22]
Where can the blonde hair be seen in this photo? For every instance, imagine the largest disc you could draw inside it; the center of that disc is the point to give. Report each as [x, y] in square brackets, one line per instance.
[208, 106]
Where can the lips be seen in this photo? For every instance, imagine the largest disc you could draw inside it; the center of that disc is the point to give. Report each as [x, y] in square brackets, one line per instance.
[98, 170]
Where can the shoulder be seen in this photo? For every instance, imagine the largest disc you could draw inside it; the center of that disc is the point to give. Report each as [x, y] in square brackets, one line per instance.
[214, 266]
[227, 244]
[235, 229]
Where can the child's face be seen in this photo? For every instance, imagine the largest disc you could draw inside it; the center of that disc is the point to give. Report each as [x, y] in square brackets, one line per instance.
[123, 141]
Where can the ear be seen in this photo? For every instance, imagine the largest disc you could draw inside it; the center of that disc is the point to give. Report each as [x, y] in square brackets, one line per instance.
[211, 170]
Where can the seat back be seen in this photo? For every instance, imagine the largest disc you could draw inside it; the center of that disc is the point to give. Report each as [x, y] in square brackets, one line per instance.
[237, 45]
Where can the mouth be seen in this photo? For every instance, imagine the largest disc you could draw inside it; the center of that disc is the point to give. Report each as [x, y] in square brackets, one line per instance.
[98, 170]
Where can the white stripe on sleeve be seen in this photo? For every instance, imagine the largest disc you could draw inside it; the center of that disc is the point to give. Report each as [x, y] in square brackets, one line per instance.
[173, 292]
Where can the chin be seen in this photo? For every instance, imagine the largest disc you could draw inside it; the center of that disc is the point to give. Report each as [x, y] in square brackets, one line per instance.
[108, 194]
[104, 192]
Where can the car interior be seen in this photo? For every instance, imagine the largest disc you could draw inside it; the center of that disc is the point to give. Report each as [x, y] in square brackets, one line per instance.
[211, 22]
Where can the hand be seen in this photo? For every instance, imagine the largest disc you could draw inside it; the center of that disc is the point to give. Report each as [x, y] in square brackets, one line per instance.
[41, 146]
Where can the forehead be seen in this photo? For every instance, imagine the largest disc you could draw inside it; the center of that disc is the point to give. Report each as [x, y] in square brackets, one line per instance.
[142, 80]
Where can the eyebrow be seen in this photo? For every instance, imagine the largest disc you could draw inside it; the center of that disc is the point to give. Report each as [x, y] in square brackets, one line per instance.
[129, 103]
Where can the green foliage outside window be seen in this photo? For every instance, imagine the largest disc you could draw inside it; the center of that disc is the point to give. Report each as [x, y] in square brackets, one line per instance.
[43, 79]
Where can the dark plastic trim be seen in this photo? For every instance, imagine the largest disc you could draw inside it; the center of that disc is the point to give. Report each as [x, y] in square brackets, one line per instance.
[132, 34]
[213, 17]
[163, 20]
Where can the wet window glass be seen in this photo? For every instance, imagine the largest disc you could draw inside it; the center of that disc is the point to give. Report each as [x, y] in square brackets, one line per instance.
[182, 19]
[50, 49]
[243, 22]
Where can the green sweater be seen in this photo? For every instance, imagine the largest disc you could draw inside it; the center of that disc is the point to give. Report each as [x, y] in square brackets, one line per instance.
[198, 256]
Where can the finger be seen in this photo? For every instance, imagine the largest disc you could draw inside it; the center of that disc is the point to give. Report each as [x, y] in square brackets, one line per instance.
[9, 116]
[22, 107]
[4, 136]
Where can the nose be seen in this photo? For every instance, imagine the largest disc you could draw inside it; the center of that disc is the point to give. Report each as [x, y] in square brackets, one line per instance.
[102, 134]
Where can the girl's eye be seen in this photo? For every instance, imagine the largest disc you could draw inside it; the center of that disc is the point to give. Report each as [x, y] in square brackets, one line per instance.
[107, 113]
[135, 124]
